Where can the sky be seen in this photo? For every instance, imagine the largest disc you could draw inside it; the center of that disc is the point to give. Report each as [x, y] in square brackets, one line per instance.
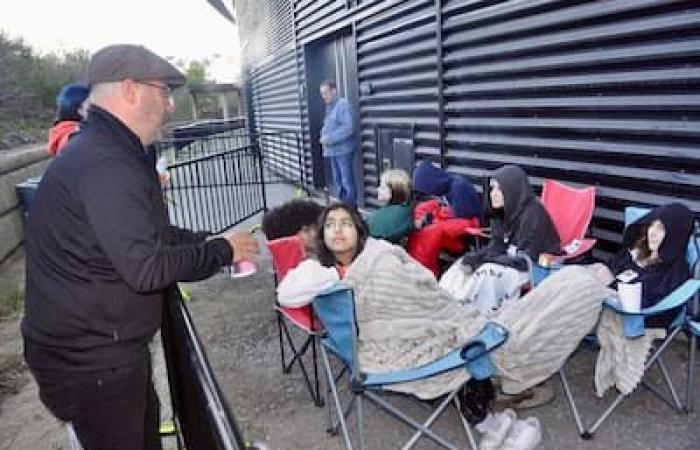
[182, 29]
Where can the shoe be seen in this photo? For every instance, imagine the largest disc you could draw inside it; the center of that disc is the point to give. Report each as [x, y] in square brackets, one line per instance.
[532, 398]
[523, 435]
[495, 428]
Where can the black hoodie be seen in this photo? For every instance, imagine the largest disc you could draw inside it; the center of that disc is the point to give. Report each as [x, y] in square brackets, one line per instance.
[524, 222]
[672, 270]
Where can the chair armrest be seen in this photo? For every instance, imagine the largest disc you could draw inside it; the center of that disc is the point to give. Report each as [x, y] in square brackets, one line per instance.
[675, 299]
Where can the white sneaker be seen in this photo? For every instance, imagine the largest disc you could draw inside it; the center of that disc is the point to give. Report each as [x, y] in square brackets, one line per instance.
[523, 435]
[495, 428]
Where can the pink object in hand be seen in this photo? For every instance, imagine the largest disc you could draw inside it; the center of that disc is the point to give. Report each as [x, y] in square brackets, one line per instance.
[242, 269]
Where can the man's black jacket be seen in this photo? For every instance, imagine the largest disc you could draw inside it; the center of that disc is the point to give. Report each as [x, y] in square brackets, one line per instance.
[100, 253]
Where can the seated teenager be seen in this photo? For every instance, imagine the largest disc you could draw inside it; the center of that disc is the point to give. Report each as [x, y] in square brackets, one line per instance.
[393, 221]
[406, 320]
[294, 218]
[519, 223]
[653, 254]
[299, 218]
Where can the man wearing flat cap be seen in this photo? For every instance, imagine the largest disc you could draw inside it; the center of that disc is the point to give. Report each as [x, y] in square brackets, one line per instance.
[101, 253]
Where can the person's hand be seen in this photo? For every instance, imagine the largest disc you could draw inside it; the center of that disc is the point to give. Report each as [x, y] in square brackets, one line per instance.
[322, 140]
[243, 244]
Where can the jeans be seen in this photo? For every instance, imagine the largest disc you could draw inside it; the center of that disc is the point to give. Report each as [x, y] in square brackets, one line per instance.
[343, 168]
[113, 409]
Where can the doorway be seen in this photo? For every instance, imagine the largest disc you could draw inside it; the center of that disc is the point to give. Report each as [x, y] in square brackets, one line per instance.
[332, 57]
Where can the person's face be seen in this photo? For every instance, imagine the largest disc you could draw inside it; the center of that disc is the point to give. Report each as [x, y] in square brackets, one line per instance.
[156, 106]
[340, 233]
[496, 194]
[328, 94]
[307, 234]
[655, 235]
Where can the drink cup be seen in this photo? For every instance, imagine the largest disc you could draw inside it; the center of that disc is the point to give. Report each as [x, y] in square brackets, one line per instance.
[630, 296]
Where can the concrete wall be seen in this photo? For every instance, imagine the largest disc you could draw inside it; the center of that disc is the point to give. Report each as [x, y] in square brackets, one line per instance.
[16, 165]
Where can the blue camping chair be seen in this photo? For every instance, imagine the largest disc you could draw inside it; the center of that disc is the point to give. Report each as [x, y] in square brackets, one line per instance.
[336, 311]
[633, 327]
[693, 320]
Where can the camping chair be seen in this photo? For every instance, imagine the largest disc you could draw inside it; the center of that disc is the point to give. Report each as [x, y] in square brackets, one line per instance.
[287, 253]
[571, 211]
[633, 326]
[336, 311]
[693, 320]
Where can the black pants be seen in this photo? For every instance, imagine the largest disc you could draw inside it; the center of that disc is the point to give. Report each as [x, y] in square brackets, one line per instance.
[111, 409]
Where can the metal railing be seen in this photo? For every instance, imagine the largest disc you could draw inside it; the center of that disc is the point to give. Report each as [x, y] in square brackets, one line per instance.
[217, 181]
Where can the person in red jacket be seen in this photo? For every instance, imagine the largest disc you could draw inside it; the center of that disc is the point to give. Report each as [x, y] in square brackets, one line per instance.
[71, 104]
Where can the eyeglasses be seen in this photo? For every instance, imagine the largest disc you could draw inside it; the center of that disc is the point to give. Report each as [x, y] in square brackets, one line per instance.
[344, 223]
[164, 89]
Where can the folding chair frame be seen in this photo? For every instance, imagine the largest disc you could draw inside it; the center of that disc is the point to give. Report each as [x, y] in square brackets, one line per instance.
[693, 326]
[370, 385]
[285, 334]
[673, 301]
[288, 318]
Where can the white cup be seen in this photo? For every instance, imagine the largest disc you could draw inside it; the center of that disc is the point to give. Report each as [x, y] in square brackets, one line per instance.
[630, 296]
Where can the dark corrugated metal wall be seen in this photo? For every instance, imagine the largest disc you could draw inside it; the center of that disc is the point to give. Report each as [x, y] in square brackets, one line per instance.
[396, 58]
[276, 110]
[602, 93]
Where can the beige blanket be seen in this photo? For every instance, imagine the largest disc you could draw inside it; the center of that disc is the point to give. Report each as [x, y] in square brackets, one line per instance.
[405, 319]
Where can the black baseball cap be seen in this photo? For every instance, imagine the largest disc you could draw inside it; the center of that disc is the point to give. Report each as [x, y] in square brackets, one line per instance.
[125, 61]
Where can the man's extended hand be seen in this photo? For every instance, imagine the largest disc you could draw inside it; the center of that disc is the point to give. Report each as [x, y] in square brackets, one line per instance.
[243, 244]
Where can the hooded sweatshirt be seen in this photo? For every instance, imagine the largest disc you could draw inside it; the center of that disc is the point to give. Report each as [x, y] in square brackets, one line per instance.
[524, 222]
[59, 135]
[459, 192]
[658, 280]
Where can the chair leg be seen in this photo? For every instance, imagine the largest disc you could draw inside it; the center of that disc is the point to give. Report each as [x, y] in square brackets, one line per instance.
[336, 398]
[689, 388]
[403, 417]
[318, 398]
[670, 385]
[620, 397]
[572, 404]
[429, 421]
[360, 424]
[279, 333]
[297, 358]
[467, 427]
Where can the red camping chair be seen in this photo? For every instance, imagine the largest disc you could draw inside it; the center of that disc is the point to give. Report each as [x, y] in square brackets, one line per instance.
[571, 211]
[287, 253]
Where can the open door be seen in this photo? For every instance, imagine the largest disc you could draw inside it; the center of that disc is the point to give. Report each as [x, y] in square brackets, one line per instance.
[332, 57]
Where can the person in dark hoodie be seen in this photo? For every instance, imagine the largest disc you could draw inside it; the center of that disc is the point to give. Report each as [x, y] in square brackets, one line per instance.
[71, 104]
[519, 224]
[653, 254]
[461, 196]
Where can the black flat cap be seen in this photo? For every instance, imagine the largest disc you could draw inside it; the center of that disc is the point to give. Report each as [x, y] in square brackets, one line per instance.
[119, 62]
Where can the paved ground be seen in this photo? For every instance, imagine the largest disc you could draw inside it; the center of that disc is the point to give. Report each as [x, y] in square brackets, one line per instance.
[236, 322]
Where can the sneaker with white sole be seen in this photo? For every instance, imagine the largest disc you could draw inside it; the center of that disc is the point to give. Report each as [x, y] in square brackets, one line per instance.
[523, 435]
[495, 428]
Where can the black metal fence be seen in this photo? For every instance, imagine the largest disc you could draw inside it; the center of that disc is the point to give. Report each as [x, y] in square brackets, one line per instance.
[218, 181]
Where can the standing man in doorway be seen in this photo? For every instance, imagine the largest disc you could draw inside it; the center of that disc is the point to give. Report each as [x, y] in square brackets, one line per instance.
[337, 139]
[101, 255]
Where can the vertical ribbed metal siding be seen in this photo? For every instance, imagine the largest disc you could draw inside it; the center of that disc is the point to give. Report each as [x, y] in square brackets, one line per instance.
[276, 109]
[602, 93]
[279, 25]
[396, 55]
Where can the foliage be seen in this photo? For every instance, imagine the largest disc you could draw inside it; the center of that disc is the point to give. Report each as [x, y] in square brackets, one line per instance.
[30, 82]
